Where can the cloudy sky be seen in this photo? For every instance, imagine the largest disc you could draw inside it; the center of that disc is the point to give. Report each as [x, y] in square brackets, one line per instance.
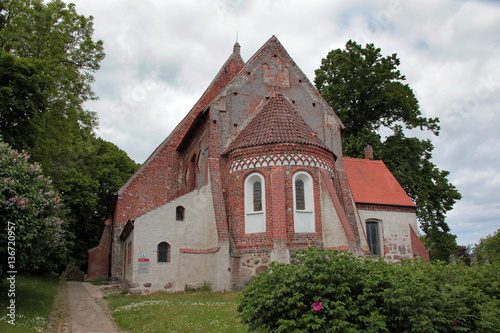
[162, 55]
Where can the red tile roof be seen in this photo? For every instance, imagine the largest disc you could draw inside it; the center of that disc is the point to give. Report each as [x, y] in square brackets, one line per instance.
[278, 122]
[372, 183]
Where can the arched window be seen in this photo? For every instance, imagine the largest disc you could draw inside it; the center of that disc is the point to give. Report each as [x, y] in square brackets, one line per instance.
[163, 252]
[303, 202]
[373, 236]
[179, 213]
[255, 204]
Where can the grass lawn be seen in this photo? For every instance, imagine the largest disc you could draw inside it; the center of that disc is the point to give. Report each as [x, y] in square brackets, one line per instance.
[182, 312]
[34, 300]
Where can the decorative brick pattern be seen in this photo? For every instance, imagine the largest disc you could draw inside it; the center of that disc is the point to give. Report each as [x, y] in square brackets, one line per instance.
[201, 251]
[340, 248]
[281, 160]
[386, 208]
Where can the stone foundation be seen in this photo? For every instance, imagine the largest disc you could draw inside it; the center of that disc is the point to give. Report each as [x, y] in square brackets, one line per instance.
[250, 265]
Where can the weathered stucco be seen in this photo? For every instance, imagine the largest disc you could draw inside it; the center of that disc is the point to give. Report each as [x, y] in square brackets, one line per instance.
[395, 228]
[332, 238]
[188, 239]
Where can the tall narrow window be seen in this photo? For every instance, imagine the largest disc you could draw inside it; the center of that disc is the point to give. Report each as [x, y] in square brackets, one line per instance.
[255, 206]
[163, 252]
[303, 202]
[179, 213]
[257, 196]
[372, 235]
[300, 203]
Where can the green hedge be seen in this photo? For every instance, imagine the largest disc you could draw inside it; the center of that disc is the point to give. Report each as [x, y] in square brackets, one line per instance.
[369, 295]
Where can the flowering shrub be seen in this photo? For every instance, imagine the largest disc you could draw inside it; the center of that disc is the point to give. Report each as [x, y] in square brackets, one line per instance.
[30, 229]
[331, 291]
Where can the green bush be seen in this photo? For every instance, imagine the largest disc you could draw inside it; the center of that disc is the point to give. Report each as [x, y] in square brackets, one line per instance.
[489, 246]
[369, 295]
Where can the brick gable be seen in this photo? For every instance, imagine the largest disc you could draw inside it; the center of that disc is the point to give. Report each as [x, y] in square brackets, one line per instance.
[278, 122]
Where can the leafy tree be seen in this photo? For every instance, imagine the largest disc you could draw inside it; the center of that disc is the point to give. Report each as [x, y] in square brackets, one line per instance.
[463, 254]
[21, 99]
[52, 41]
[28, 215]
[50, 57]
[99, 169]
[87, 171]
[489, 246]
[367, 92]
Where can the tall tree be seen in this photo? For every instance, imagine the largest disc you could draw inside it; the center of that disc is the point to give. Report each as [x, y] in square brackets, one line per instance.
[48, 57]
[21, 99]
[52, 40]
[367, 92]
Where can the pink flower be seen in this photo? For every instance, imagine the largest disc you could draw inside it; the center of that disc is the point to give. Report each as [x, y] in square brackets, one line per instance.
[317, 306]
[455, 323]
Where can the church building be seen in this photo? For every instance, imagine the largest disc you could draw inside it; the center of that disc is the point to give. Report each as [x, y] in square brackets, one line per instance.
[253, 173]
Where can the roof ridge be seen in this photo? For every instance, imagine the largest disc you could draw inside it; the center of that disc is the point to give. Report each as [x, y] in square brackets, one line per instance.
[361, 159]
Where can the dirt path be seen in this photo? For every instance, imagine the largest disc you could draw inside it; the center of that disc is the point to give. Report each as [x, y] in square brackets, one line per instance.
[80, 308]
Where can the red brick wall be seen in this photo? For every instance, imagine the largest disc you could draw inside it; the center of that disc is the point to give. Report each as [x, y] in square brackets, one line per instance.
[279, 200]
[98, 263]
[417, 247]
[386, 208]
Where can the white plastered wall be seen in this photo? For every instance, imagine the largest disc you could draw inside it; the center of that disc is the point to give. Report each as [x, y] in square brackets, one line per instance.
[197, 231]
[361, 229]
[333, 231]
[394, 229]
[129, 268]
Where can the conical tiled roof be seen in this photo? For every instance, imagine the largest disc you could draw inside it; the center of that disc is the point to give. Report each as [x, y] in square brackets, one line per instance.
[278, 122]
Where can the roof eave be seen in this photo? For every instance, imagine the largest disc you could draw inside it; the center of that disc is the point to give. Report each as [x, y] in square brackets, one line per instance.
[385, 204]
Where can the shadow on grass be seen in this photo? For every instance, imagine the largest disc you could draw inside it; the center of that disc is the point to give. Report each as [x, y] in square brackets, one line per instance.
[34, 299]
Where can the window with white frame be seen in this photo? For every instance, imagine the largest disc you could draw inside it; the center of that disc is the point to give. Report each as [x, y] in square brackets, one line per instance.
[373, 237]
[255, 204]
[303, 202]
